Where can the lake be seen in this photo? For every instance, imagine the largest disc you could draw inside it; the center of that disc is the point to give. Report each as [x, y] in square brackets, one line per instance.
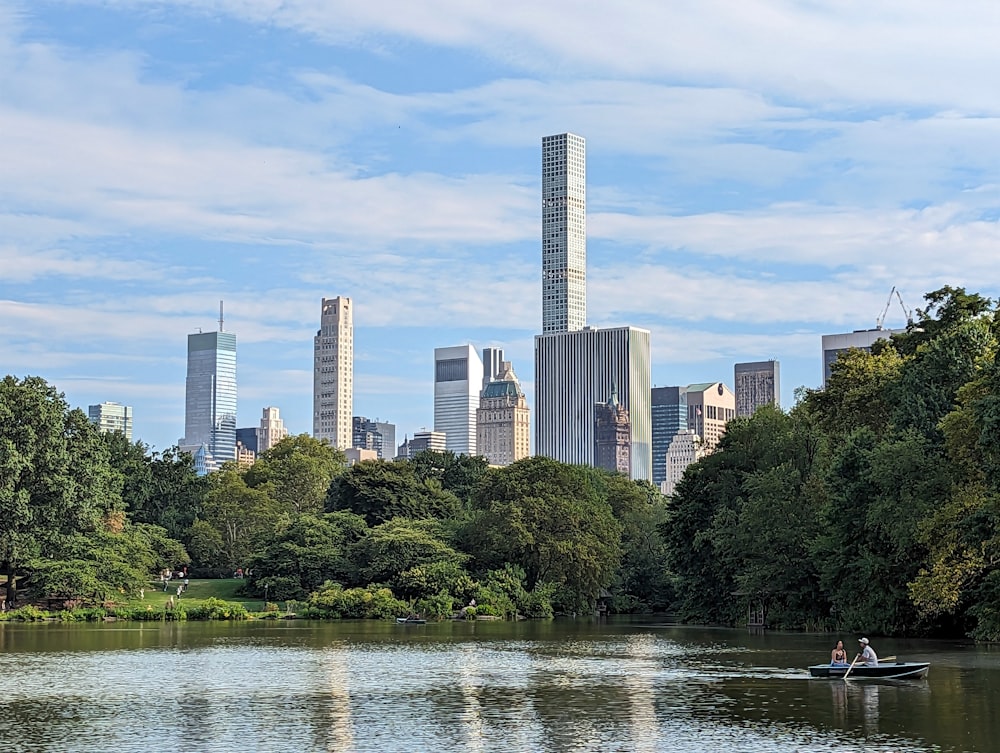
[479, 686]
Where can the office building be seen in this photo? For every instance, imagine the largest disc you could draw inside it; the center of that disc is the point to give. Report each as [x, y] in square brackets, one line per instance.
[612, 436]
[503, 420]
[245, 457]
[333, 372]
[422, 440]
[355, 455]
[669, 416]
[711, 405]
[271, 431]
[376, 435]
[685, 448]
[492, 364]
[863, 339]
[756, 384]
[564, 233]
[210, 403]
[458, 380]
[247, 438]
[110, 417]
[574, 371]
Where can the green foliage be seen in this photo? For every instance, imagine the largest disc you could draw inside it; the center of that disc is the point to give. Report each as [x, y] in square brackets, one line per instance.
[27, 613]
[547, 518]
[216, 609]
[458, 474]
[297, 473]
[426, 580]
[399, 545]
[306, 553]
[333, 601]
[379, 491]
[243, 517]
[435, 606]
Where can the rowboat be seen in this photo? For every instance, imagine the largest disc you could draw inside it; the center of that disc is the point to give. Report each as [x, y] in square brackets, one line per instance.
[410, 621]
[892, 670]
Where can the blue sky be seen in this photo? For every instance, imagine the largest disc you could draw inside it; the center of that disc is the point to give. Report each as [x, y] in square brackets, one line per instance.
[759, 173]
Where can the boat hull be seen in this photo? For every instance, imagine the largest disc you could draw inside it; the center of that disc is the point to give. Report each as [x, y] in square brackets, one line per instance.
[906, 670]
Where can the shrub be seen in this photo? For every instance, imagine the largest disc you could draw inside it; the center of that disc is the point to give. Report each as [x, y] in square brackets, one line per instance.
[27, 613]
[216, 609]
[373, 602]
[435, 607]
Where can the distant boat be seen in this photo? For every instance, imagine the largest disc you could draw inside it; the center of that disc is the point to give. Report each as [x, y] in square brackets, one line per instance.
[893, 670]
[410, 621]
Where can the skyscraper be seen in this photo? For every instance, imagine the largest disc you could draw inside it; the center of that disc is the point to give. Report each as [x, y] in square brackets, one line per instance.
[458, 380]
[492, 364]
[502, 421]
[271, 430]
[576, 370]
[612, 436]
[333, 372]
[210, 404]
[564, 233]
[711, 405]
[374, 435]
[669, 416]
[684, 449]
[112, 417]
[756, 384]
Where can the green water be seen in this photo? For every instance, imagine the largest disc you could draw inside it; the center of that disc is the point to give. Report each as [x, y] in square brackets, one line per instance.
[555, 686]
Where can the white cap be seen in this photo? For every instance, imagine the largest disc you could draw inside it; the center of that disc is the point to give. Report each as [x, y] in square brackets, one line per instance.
[863, 640]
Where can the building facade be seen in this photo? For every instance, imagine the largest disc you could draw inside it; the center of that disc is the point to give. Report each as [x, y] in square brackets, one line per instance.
[271, 430]
[247, 438]
[376, 435]
[711, 405]
[564, 233]
[669, 416]
[333, 372]
[685, 448]
[492, 364]
[458, 380]
[612, 436]
[421, 441]
[574, 371]
[210, 398]
[863, 339]
[756, 384]
[110, 417]
[503, 419]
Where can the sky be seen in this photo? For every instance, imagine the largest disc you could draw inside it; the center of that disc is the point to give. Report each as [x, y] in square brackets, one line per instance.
[759, 174]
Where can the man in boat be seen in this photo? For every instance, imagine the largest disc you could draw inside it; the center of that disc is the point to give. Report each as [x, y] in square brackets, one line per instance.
[868, 655]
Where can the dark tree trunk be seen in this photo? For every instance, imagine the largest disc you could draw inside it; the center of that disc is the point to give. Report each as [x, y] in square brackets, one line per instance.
[11, 594]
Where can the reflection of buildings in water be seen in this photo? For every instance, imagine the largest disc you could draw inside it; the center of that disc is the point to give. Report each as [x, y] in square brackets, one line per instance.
[639, 682]
[470, 680]
[340, 737]
[839, 690]
[870, 706]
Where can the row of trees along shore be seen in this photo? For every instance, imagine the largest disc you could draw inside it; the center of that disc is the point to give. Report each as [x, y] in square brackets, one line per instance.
[873, 504]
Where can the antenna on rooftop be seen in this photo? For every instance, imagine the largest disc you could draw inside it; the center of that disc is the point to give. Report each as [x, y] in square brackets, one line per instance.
[221, 317]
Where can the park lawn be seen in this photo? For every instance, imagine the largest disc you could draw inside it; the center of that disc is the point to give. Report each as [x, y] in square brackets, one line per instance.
[198, 589]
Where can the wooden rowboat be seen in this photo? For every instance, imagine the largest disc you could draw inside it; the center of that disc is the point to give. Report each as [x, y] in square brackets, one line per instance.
[893, 670]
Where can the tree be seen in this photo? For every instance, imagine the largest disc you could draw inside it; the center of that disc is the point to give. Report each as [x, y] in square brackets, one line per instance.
[458, 474]
[546, 517]
[398, 545]
[55, 478]
[305, 554]
[297, 473]
[380, 491]
[243, 517]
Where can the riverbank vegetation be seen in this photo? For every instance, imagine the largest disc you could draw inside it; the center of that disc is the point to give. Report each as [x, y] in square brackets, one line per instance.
[873, 504]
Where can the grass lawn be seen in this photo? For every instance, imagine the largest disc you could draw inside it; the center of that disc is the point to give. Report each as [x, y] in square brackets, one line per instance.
[197, 590]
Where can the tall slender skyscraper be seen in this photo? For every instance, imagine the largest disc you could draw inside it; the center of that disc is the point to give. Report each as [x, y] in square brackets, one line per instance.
[210, 405]
[333, 372]
[564, 233]
[458, 380]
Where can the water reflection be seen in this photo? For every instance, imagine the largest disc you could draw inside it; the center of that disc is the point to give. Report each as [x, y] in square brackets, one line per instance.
[536, 687]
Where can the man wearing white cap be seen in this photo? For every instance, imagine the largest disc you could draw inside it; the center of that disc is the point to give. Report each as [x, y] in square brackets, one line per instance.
[868, 655]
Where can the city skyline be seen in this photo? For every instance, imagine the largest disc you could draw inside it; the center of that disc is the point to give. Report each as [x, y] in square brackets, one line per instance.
[160, 156]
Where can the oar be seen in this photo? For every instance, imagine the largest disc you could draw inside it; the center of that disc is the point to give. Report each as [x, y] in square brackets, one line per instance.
[852, 666]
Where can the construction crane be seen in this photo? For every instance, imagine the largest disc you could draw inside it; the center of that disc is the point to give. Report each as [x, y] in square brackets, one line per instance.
[885, 310]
